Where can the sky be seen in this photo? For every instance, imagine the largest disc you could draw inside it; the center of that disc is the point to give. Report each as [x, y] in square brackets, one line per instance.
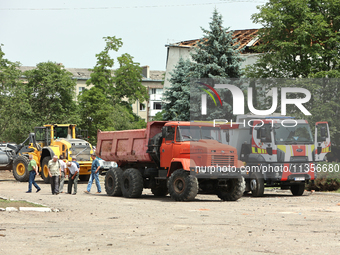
[71, 32]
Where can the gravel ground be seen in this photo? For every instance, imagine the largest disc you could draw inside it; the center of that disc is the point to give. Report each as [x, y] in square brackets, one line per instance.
[277, 223]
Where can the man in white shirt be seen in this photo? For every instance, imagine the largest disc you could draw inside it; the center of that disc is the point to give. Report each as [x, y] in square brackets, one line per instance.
[72, 177]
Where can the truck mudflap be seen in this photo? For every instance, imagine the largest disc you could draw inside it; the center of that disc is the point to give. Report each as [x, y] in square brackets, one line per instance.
[217, 172]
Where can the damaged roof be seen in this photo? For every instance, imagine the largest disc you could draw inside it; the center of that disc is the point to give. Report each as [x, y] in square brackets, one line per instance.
[245, 38]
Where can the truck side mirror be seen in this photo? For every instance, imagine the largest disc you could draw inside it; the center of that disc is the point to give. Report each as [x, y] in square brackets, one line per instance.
[323, 133]
[263, 134]
[163, 132]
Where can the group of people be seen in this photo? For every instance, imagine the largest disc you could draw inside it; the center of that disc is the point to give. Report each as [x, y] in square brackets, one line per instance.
[56, 171]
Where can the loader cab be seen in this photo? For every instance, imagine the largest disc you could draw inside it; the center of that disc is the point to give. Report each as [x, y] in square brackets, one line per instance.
[46, 135]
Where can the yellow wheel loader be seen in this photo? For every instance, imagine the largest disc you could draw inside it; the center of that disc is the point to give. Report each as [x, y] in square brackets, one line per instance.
[50, 140]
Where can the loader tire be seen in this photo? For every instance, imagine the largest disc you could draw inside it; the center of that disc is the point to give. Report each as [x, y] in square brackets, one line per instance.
[183, 186]
[113, 179]
[20, 168]
[233, 190]
[132, 183]
[297, 189]
[256, 184]
[44, 170]
[160, 190]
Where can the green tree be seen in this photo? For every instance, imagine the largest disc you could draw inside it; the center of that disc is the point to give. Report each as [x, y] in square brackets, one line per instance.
[218, 57]
[128, 81]
[176, 99]
[102, 76]
[51, 92]
[217, 54]
[299, 38]
[107, 105]
[15, 110]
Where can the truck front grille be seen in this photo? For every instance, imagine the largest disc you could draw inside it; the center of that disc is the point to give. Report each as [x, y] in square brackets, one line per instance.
[222, 160]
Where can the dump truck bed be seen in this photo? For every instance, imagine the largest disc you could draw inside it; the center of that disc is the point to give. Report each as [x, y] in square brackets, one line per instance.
[127, 145]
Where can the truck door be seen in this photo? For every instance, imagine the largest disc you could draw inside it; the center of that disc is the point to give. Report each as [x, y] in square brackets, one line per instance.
[322, 140]
[167, 146]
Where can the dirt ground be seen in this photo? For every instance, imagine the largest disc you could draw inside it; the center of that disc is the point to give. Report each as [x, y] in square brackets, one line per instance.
[277, 223]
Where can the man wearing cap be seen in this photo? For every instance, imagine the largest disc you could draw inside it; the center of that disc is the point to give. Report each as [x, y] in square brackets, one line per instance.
[94, 175]
[72, 177]
[54, 171]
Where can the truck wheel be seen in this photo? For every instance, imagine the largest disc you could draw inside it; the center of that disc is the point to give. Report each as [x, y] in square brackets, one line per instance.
[183, 186]
[256, 184]
[113, 179]
[20, 171]
[44, 170]
[297, 189]
[233, 190]
[160, 190]
[132, 183]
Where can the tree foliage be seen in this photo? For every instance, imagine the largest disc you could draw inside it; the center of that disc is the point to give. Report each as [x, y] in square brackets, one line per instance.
[128, 81]
[217, 54]
[177, 97]
[15, 110]
[216, 57]
[51, 92]
[106, 106]
[299, 38]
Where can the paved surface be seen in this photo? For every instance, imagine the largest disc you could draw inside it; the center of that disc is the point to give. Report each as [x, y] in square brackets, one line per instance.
[98, 224]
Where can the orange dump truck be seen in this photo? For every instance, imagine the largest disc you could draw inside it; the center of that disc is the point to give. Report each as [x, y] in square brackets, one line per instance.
[180, 158]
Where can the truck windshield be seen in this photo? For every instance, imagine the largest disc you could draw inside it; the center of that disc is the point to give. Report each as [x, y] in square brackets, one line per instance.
[192, 133]
[300, 134]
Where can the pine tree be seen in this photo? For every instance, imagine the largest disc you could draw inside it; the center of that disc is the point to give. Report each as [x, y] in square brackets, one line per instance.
[176, 99]
[217, 59]
[217, 54]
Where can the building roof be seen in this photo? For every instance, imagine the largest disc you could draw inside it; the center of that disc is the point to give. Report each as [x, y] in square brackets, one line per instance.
[245, 38]
[84, 73]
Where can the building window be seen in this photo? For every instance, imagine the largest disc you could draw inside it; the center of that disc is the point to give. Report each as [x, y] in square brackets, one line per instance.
[142, 107]
[81, 89]
[157, 106]
[153, 91]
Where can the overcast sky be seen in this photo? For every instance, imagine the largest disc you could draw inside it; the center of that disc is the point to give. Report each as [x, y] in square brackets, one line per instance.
[71, 32]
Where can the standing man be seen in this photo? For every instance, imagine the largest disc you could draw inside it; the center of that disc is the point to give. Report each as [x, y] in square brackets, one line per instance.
[54, 172]
[94, 175]
[72, 177]
[33, 171]
[74, 159]
[62, 177]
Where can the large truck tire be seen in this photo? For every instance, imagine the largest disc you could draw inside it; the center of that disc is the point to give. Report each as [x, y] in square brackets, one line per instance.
[44, 170]
[132, 183]
[297, 189]
[183, 186]
[256, 184]
[160, 190]
[113, 179]
[233, 190]
[20, 168]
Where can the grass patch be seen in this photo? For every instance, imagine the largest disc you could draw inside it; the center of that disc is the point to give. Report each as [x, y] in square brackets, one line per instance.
[20, 203]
